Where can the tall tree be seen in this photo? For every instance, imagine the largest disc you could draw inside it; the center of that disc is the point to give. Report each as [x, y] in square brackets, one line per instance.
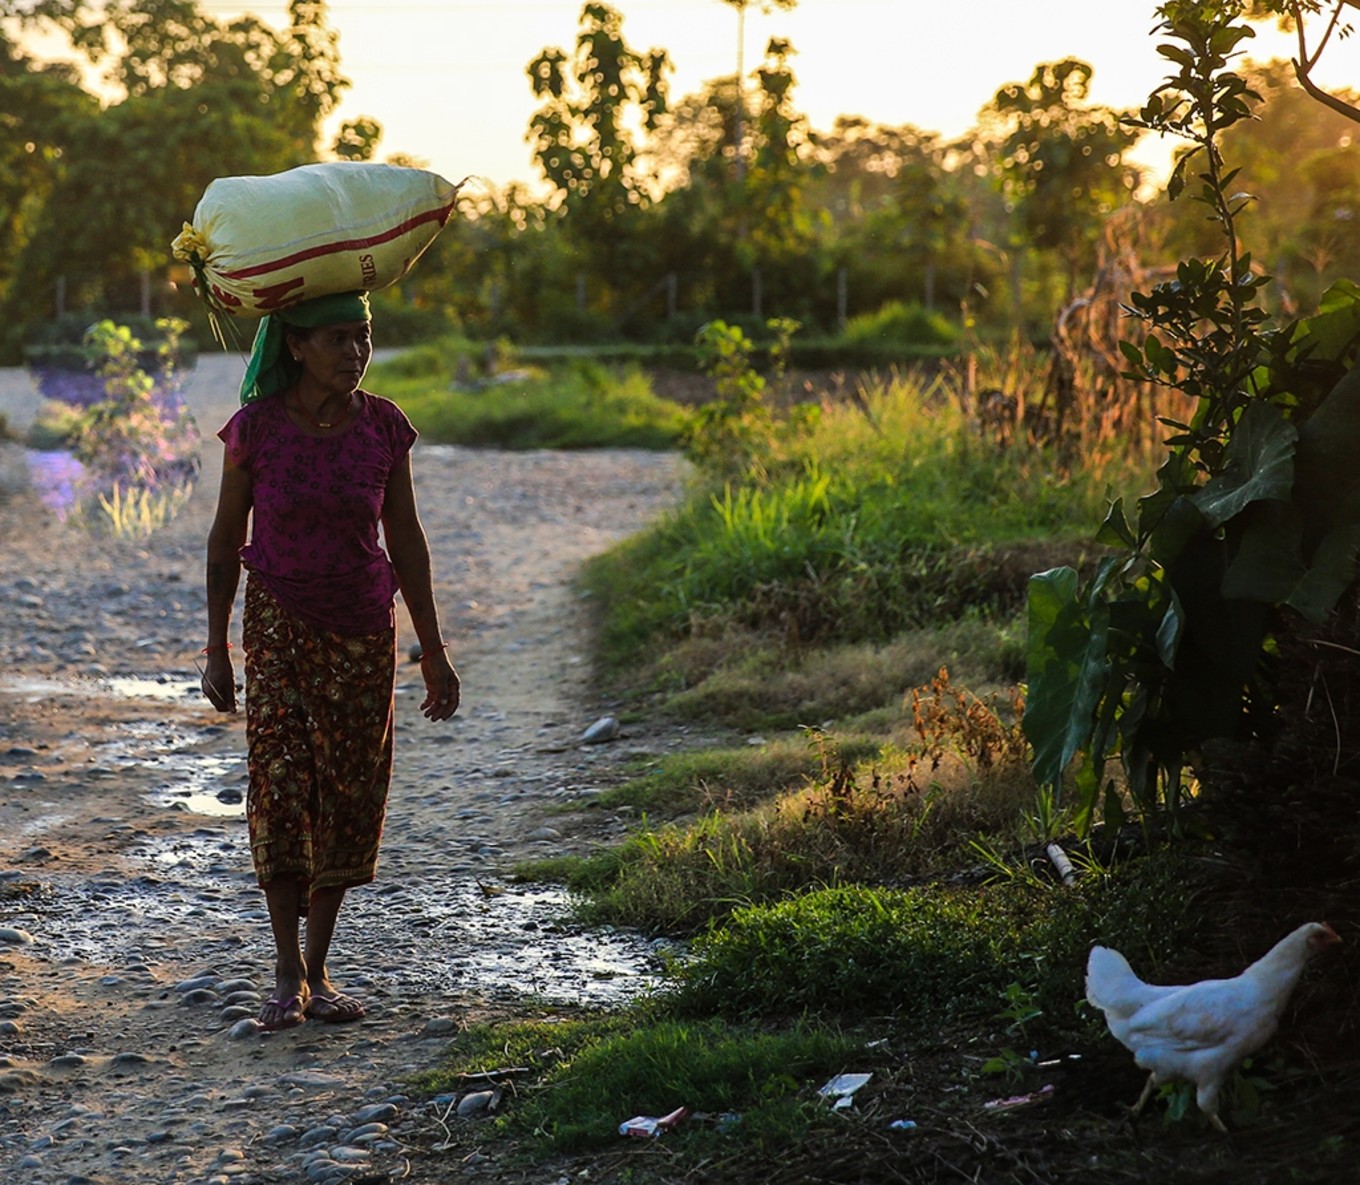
[194, 99]
[42, 109]
[584, 138]
[581, 134]
[1059, 161]
[740, 130]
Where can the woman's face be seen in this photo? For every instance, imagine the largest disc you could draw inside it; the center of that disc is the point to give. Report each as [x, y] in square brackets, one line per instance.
[336, 356]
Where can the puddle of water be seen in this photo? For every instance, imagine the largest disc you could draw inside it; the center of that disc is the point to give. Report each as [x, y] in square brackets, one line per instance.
[518, 942]
[158, 687]
[162, 687]
[34, 690]
[209, 784]
[204, 785]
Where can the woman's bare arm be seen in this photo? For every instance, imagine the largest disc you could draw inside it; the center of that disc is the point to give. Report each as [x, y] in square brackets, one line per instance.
[409, 551]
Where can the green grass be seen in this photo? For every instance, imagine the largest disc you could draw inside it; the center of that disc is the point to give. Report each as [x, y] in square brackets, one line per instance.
[752, 681]
[594, 1073]
[933, 955]
[574, 405]
[891, 514]
[754, 827]
[786, 995]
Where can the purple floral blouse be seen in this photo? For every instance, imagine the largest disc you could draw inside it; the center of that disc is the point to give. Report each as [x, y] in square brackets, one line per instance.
[317, 506]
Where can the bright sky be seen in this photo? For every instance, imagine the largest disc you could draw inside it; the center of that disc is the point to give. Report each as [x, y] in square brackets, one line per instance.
[446, 78]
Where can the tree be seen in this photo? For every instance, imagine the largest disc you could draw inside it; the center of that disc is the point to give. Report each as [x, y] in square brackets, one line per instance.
[1059, 161]
[739, 132]
[1301, 16]
[903, 227]
[41, 109]
[585, 146]
[197, 99]
[580, 134]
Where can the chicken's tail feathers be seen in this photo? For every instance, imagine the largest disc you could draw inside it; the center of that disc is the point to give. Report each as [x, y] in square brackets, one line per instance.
[1110, 980]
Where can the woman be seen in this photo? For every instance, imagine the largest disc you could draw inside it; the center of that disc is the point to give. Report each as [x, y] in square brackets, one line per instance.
[313, 464]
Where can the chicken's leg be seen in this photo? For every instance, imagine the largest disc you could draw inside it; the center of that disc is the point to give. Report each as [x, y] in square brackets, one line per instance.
[1148, 1088]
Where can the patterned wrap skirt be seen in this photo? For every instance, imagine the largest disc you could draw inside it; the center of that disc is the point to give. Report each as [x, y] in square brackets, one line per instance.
[319, 710]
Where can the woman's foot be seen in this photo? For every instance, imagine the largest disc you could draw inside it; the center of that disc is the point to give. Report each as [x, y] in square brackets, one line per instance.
[333, 1007]
[283, 1011]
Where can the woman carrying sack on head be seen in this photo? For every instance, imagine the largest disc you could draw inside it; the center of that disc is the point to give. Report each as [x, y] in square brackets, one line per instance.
[313, 465]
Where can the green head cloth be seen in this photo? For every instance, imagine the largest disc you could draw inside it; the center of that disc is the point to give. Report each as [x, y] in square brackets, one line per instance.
[271, 368]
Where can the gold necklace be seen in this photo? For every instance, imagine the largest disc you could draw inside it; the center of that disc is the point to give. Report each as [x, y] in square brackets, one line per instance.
[318, 423]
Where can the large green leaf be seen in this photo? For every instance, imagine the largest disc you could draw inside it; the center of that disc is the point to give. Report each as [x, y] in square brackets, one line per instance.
[1270, 566]
[1330, 574]
[1334, 328]
[1327, 463]
[1180, 525]
[1269, 560]
[1169, 632]
[1067, 665]
[1259, 465]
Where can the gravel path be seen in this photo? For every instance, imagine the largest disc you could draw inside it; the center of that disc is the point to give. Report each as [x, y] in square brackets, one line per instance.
[133, 943]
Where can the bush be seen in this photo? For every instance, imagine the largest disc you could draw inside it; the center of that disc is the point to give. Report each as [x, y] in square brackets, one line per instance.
[58, 354]
[934, 954]
[898, 322]
[581, 405]
[399, 323]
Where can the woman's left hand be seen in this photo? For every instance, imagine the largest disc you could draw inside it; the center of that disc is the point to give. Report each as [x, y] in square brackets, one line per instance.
[442, 687]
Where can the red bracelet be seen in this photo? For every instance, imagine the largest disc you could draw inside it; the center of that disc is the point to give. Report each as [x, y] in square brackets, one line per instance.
[223, 646]
[424, 654]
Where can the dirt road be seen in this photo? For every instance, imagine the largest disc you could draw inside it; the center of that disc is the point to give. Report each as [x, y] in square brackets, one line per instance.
[133, 942]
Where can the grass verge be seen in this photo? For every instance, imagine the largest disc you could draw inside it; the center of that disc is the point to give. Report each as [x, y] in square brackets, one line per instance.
[574, 405]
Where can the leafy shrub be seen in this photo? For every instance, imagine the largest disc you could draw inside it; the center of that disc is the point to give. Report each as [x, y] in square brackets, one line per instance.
[933, 954]
[577, 405]
[897, 321]
[126, 461]
[888, 513]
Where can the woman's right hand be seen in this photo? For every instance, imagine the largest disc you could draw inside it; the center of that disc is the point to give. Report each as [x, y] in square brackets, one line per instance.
[219, 681]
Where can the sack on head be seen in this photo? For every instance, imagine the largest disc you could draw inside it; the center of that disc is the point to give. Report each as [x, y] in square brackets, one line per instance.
[258, 244]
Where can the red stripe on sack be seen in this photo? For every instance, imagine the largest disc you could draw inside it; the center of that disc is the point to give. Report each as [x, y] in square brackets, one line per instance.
[441, 215]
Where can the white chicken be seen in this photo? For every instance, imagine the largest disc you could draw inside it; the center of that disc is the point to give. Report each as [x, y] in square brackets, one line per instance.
[1200, 1032]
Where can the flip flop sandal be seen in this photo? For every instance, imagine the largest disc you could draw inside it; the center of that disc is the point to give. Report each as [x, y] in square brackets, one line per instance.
[339, 1009]
[292, 1012]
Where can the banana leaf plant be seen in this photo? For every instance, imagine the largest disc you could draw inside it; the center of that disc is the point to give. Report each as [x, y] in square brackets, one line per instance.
[1254, 525]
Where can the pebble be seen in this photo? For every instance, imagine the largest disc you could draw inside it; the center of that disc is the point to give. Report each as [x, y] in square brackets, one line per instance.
[375, 1113]
[606, 728]
[67, 1061]
[439, 1026]
[130, 1059]
[14, 937]
[200, 996]
[475, 1103]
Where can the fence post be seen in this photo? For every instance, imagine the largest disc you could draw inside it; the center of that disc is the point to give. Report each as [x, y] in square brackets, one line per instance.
[61, 295]
[842, 298]
[672, 294]
[757, 293]
[580, 292]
